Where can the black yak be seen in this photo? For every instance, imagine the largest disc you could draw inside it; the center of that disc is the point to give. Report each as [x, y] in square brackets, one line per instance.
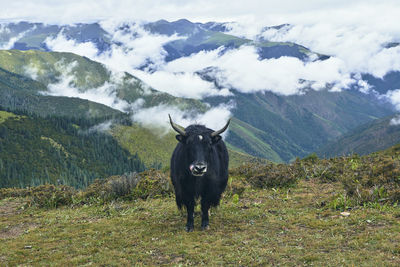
[199, 168]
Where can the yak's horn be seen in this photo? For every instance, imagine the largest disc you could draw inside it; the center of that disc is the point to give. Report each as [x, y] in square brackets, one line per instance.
[177, 127]
[222, 130]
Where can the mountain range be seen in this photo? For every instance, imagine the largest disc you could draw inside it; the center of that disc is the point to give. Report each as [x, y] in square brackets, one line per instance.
[265, 124]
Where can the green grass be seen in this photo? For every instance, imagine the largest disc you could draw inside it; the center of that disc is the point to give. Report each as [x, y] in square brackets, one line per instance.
[4, 115]
[220, 38]
[155, 147]
[286, 227]
[270, 44]
[373, 136]
[87, 74]
[50, 65]
[251, 141]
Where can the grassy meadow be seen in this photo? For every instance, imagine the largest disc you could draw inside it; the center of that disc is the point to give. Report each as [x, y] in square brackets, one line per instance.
[307, 213]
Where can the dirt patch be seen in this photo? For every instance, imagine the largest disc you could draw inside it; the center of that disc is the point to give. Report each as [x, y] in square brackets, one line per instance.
[10, 207]
[14, 231]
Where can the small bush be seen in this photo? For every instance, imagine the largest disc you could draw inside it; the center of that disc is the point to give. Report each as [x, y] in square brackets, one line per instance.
[270, 175]
[368, 179]
[236, 186]
[373, 179]
[152, 184]
[103, 190]
[51, 196]
[14, 192]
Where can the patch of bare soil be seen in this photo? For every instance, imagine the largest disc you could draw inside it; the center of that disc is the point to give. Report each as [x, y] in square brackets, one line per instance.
[10, 208]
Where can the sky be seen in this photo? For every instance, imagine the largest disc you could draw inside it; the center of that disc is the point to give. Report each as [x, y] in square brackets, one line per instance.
[354, 33]
[267, 11]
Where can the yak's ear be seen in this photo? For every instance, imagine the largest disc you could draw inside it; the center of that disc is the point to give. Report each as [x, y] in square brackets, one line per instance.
[215, 139]
[180, 138]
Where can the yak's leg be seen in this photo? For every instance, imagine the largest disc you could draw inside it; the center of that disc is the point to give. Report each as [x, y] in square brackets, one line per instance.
[205, 206]
[190, 217]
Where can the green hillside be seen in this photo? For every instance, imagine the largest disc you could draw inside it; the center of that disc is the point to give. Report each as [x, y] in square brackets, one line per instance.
[266, 125]
[281, 128]
[373, 136]
[51, 67]
[36, 150]
[21, 93]
[155, 146]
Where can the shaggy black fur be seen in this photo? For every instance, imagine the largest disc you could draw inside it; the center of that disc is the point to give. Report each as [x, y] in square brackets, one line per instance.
[190, 151]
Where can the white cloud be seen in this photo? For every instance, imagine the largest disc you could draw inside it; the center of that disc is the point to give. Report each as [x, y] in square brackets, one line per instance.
[31, 71]
[181, 84]
[355, 43]
[394, 97]
[102, 127]
[133, 46]
[200, 10]
[12, 40]
[359, 47]
[60, 43]
[215, 118]
[395, 121]
[243, 70]
[105, 94]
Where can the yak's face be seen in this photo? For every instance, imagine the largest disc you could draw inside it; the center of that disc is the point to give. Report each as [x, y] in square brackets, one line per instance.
[198, 142]
[199, 148]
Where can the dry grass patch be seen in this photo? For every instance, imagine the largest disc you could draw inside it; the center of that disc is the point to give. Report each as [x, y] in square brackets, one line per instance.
[280, 227]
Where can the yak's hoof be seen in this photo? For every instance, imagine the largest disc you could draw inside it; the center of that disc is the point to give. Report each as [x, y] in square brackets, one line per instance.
[204, 228]
[189, 228]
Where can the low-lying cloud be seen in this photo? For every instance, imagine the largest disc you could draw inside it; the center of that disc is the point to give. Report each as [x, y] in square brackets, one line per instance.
[243, 70]
[215, 118]
[105, 94]
[181, 84]
[61, 43]
[141, 53]
[360, 49]
[12, 39]
[353, 49]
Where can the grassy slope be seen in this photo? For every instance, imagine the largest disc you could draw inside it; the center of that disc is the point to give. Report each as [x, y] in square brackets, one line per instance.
[19, 92]
[156, 146]
[298, 125]
[152, 146]
[35, 150]
[222, 39]
[4, 115]
[266, 227]
[374, 136]
[50, 66]
[249, 139]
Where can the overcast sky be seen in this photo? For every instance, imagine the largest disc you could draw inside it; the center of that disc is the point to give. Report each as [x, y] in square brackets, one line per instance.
[267, 11]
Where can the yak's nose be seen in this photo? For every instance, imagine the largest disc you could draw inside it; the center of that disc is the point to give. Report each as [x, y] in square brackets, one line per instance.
[200, 167]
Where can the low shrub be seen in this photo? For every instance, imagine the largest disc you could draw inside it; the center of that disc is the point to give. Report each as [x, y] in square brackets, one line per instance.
[152, 184]
[14, 192]
[373, 179]
[365, 179]
[271, 175]
[103, 190]
[236, 185]
[51, 196]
